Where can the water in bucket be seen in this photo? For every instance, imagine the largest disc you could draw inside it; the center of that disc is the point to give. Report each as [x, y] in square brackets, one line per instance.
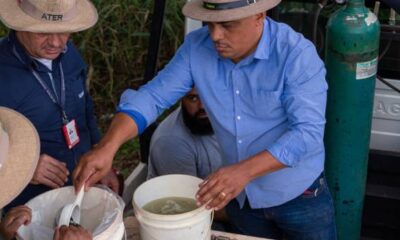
[171, 205]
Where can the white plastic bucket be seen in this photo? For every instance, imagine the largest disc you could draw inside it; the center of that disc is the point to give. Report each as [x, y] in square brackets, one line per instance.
[193, 225]
[101, 214]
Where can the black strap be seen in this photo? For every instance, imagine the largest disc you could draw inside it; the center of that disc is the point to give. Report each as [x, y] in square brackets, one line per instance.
[228, 5]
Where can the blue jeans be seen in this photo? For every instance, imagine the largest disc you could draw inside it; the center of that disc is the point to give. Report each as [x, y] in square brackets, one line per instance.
[309, 216]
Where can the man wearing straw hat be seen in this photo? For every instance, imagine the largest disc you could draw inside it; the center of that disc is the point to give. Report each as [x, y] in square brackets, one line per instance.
[43, 77]
[264, 90]
[19, 154]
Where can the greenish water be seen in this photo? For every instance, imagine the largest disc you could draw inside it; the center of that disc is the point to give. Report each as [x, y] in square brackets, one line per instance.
[171, 205]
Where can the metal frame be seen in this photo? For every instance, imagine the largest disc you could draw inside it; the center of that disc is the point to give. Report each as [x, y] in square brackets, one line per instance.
[151, 67]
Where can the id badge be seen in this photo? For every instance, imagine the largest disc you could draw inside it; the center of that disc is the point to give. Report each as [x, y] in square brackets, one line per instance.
[71, 134]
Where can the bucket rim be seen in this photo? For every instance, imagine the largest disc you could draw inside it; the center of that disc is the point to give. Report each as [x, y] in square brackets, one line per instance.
[114, 226]
[161, 217]
[175, 217]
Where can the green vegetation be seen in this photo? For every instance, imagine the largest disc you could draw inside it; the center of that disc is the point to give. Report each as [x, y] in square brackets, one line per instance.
[115, 51]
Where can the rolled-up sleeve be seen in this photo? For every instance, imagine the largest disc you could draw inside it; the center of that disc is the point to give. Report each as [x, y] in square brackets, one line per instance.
[173, 82]
[304, 100]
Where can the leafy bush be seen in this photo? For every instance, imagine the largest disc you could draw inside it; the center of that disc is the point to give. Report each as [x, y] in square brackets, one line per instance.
[116, 48]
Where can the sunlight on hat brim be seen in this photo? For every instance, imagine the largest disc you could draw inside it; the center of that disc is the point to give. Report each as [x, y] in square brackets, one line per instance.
[14, 18]
[23, 155]
[195, 10]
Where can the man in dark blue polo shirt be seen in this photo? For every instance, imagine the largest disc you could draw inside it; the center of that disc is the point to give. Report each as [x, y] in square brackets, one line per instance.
[43, 77]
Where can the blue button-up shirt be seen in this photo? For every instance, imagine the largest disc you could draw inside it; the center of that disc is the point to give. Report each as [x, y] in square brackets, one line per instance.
[21, 91]
[273, 100]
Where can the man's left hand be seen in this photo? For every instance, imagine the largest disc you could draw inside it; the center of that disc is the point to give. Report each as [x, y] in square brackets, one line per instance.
[226, 183]
[222, 186]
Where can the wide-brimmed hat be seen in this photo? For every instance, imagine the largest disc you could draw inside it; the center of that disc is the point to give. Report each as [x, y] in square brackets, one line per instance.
[48, 16]
[19, 153]
[225, 10]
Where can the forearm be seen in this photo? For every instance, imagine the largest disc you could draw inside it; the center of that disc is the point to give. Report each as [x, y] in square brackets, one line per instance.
[260, 164]
[122, 129]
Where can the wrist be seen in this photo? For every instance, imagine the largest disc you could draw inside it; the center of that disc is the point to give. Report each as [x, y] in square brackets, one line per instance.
[245, 167]
[107, 147]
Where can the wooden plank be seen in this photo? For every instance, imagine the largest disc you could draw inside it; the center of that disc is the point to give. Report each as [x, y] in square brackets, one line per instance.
[217, 235]
[132, 228]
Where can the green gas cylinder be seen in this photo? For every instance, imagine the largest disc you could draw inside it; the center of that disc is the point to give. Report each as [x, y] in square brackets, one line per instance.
[352, 50]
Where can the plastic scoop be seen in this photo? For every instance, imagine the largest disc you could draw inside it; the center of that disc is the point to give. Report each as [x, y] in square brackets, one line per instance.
[71, 213]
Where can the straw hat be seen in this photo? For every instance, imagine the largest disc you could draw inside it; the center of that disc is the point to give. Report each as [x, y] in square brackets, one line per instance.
[19, 153]
[225, 10]
[48, 16]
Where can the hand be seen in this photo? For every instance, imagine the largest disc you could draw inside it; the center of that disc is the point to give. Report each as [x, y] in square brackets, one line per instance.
[92, 167]
[14, 219]
[111, 181]
[72, 233]
[225, 184]
[95, 164]
[222, 186]
[50, 172]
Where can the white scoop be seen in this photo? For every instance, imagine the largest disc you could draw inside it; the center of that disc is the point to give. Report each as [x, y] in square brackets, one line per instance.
[72, 211]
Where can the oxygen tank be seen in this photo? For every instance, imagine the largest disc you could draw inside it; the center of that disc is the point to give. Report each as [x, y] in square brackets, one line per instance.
[352, 50]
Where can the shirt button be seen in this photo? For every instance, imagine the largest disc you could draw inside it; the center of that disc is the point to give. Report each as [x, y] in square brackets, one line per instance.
[240, 141]
[237, 92]
[238, 117]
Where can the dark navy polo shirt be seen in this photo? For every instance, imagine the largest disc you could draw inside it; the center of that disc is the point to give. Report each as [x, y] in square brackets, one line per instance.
[21, 91]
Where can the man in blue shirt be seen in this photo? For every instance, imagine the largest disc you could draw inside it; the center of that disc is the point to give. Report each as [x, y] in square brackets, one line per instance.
[263, 87]
[43, 77]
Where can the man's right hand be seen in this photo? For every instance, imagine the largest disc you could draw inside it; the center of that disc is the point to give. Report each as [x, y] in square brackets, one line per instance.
[50, 172]
[71, 233]
[92, 167]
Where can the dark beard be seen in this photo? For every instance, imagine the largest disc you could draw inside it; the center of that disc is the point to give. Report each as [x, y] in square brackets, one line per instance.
[197, 126]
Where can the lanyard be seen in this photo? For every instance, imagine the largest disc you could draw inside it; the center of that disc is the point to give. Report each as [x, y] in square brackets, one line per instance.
[61, 103]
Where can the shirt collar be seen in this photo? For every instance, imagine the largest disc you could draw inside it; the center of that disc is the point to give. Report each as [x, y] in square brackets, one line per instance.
[265, 43]
[263, 47]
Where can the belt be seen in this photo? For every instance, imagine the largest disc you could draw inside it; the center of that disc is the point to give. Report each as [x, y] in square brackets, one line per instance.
[316, 186]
